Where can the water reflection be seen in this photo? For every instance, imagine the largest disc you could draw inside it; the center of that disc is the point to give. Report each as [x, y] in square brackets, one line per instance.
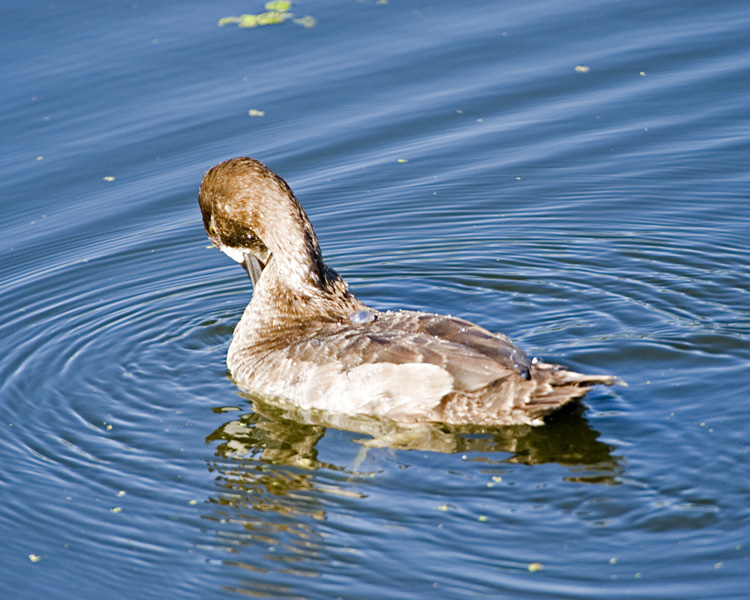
[286, 435]
[276, 495]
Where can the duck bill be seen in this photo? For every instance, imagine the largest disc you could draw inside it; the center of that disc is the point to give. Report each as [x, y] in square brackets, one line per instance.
[253, 267]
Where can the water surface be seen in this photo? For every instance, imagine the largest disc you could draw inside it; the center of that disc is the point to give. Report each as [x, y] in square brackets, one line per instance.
[452, 158]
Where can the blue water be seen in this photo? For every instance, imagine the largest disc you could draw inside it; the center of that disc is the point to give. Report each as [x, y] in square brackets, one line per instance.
[452, 158]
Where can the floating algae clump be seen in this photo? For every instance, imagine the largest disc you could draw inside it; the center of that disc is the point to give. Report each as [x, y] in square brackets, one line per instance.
[276, 12]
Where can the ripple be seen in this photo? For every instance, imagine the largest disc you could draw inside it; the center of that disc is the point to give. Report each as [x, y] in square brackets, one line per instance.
[101, 389]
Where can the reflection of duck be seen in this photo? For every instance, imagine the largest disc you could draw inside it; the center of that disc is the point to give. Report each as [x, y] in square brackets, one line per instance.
[305, 337]
[285, 435]
[278, 510]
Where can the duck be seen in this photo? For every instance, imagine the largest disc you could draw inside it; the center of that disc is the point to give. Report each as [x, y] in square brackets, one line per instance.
[305, 339]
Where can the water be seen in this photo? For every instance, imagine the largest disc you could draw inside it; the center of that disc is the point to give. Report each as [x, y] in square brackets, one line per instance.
[598, 216]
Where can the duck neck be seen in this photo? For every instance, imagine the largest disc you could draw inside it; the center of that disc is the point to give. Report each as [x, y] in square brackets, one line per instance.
[295, 254]
[287, 295]
[295, 286]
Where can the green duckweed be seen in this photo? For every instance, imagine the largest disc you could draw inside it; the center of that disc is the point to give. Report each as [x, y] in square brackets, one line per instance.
[276, 12]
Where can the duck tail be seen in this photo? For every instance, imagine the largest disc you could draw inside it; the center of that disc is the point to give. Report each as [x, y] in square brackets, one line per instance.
[554, 386]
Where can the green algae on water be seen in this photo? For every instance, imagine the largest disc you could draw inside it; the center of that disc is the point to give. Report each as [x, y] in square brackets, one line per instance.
[278, 5]
[276, 12]
[307, 22]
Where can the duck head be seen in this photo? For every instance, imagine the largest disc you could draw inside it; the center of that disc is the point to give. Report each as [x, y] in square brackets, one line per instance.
[252, 215]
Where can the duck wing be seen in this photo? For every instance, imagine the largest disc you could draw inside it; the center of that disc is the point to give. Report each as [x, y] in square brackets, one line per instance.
[472, 355]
